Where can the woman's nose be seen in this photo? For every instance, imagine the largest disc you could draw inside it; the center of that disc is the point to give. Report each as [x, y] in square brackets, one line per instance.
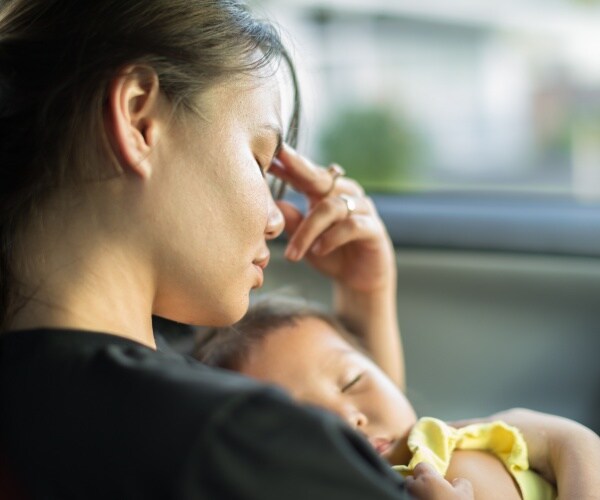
[275, 221]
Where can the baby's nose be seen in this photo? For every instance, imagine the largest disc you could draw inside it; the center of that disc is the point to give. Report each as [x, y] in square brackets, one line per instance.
[358, 420]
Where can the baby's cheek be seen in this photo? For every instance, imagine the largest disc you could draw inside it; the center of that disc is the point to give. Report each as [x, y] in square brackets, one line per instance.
[402, 412]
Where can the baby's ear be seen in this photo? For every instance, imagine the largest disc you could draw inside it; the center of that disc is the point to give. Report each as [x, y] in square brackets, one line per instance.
[134, 118]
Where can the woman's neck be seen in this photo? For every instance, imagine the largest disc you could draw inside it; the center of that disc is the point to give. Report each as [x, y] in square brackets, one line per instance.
[95, 303]
[79, 275]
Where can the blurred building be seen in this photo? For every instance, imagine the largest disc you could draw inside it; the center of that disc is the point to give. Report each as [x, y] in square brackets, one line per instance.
[499, 97]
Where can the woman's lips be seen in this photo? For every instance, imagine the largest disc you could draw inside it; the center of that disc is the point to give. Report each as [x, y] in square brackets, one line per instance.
[261, 277]
[263, 261]
[260, 264]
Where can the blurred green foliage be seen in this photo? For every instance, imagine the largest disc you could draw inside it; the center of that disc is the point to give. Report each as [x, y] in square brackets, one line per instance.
[375, 145]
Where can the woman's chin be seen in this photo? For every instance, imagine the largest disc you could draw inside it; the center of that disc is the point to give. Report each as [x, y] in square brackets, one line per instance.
[230, 312]
[220, 313]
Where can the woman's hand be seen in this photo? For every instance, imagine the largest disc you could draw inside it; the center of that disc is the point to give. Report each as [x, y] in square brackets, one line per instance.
[350, 246]
[565, 452]
[343, 237]
[427, 484]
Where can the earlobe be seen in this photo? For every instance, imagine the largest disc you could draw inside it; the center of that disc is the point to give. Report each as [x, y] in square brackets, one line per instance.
[133, 121]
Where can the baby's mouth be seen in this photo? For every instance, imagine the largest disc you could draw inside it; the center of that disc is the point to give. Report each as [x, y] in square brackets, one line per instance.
[382, 445]
[395, 450]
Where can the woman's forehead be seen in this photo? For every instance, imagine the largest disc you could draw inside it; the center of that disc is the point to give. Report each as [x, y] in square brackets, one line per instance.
[250, 103]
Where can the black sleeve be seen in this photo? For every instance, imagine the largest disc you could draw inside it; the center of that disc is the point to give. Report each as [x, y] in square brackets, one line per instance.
[267, 448]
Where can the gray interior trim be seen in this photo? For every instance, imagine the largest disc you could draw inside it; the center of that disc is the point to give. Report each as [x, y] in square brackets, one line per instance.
[544, 226]
[501, 223]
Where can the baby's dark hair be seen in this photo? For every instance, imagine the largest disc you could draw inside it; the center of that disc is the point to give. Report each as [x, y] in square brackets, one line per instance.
[229, 347]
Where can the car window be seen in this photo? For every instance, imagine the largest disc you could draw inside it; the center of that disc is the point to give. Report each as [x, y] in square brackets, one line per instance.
[438, 96]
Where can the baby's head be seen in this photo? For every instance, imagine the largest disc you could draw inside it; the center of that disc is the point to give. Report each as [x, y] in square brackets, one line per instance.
[318, 361]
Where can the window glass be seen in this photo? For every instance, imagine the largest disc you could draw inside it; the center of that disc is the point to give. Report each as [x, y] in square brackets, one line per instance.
[451, 95]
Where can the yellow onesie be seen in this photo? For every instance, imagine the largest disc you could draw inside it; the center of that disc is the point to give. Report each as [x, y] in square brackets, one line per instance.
[433, 441]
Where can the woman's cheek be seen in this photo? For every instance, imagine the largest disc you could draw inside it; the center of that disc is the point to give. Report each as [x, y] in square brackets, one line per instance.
[259, 202]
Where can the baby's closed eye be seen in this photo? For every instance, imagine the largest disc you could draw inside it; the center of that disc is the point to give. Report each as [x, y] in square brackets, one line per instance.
[352, 382]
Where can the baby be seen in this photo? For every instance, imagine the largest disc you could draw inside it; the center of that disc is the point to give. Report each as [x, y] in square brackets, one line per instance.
[318, 361]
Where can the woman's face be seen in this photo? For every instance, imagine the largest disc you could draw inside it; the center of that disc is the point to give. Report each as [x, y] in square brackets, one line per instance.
[317, 366]
[213, 211]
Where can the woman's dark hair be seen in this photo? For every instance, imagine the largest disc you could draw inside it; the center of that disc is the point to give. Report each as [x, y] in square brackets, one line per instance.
[229, 347]
[57, 58]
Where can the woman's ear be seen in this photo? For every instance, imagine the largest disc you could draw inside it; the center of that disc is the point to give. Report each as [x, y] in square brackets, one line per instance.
[134, 117]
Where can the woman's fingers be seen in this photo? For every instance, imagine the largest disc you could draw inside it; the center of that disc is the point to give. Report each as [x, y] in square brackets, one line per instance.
[310, 179]
[353, 228]
[326, 213]
[301, 173]
[292, 216]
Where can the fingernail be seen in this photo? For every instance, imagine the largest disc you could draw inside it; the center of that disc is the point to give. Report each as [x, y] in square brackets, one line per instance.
[316, 248]
[291, 253]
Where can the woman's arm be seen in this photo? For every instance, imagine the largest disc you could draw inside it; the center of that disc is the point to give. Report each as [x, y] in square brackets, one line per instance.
[373, 316]
[352, 248]
[488, 476]
[565, 452]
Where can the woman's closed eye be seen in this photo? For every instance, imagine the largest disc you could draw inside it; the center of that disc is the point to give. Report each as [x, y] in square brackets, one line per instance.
[273, 183]
[263, 170]
[352, 383]
[276, 186]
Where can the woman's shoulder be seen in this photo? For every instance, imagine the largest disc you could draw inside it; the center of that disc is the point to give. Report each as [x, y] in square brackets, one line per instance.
[131, 420]
[111, 412]
[69, 362]
[103, 391]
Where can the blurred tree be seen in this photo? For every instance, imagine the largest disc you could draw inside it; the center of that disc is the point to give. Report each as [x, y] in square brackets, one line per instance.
[375, 145]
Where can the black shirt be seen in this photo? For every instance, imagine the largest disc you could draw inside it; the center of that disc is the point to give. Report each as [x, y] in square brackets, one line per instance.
[88, 415]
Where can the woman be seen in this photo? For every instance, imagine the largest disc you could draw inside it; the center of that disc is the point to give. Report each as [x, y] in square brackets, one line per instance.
[135, 136]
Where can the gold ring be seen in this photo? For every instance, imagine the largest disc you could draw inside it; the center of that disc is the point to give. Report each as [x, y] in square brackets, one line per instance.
[335, 171]
[350, 204]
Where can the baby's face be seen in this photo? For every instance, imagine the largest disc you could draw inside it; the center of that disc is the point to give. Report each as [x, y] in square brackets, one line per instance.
[317, 366]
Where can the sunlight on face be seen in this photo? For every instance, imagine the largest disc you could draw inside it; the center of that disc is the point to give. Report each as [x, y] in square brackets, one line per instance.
[214, 213]
[318, 366]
